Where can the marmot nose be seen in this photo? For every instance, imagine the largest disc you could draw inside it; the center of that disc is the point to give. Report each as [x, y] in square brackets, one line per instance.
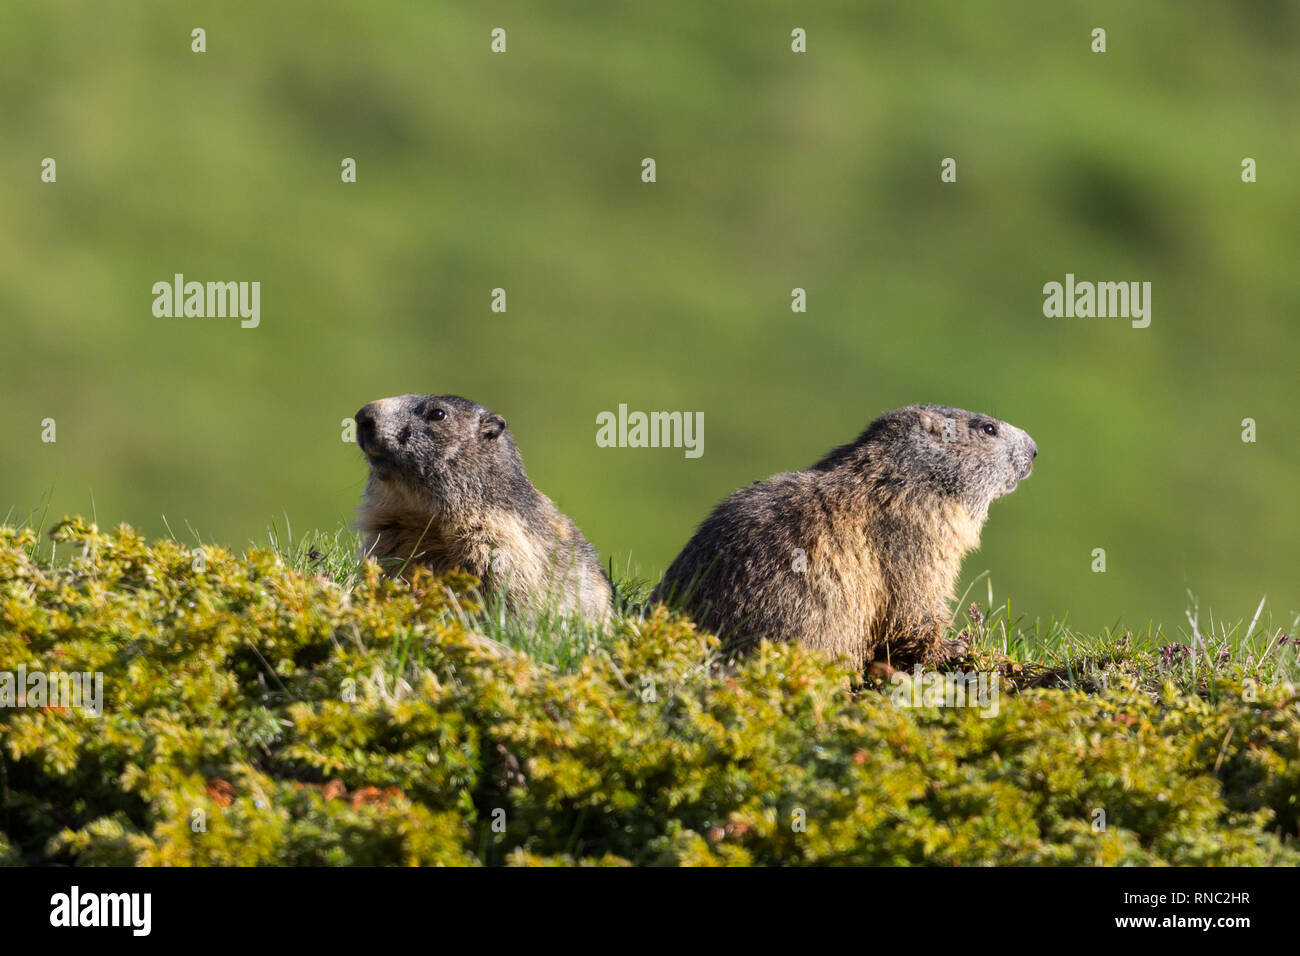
[1033, 453]
[365, 420]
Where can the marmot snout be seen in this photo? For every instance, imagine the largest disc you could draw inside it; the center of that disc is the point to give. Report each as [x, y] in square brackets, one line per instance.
[447, 488]
[858, 555]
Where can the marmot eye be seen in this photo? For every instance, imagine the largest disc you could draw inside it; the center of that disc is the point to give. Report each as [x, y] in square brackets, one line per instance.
[437, 415]
[989, 428]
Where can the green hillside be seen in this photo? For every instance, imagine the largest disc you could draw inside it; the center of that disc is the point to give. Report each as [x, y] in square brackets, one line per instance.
[775, 170]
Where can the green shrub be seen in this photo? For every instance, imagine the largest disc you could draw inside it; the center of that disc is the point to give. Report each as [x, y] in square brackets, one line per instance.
[256, 715]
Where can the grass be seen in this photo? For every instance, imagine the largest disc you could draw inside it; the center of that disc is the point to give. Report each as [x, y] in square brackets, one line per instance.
[1192, 658]
[308, 709]
[1027, 653]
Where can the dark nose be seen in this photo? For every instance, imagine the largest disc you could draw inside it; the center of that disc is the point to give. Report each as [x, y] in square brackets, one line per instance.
[365, 420]
[1033, 449]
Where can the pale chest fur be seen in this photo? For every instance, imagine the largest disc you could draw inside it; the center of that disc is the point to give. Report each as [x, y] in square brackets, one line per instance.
[864, 573]
[526, 566]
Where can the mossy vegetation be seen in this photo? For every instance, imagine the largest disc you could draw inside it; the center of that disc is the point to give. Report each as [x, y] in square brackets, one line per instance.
[284, 708]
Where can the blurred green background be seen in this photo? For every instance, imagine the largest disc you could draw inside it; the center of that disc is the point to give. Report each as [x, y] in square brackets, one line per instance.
[776, 170]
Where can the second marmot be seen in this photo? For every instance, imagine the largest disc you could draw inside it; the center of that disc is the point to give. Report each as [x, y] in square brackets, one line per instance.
[447, 489]
[859, 555]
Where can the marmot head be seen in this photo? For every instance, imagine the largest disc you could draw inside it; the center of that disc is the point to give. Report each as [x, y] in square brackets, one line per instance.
[442, 452]
[949, 451]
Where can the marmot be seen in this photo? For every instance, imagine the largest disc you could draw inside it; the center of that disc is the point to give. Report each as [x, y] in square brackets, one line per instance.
[447, 489]
[859, 554]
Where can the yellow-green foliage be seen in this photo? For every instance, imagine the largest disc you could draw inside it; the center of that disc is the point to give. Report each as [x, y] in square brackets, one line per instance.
[254, 715]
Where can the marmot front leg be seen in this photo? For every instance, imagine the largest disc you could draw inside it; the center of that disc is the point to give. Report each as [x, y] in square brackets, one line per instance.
[952, 648]
[946, 647]
[919, 640]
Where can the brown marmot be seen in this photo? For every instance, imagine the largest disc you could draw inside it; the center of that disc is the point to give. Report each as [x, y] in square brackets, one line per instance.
[447, 489]
[859, 554]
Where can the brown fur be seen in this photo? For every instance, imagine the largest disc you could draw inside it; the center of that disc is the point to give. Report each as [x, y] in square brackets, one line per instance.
[451, 492]
[857, 556]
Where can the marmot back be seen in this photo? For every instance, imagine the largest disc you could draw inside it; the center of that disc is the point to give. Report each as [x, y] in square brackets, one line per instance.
[447, 489]
[857, 556]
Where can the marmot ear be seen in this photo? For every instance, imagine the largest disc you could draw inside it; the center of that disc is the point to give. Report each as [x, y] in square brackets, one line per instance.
[933, 424]
[491, 426]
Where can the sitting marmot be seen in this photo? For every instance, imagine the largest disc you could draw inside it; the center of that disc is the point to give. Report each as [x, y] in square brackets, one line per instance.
[859, 554]
[447, 489]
